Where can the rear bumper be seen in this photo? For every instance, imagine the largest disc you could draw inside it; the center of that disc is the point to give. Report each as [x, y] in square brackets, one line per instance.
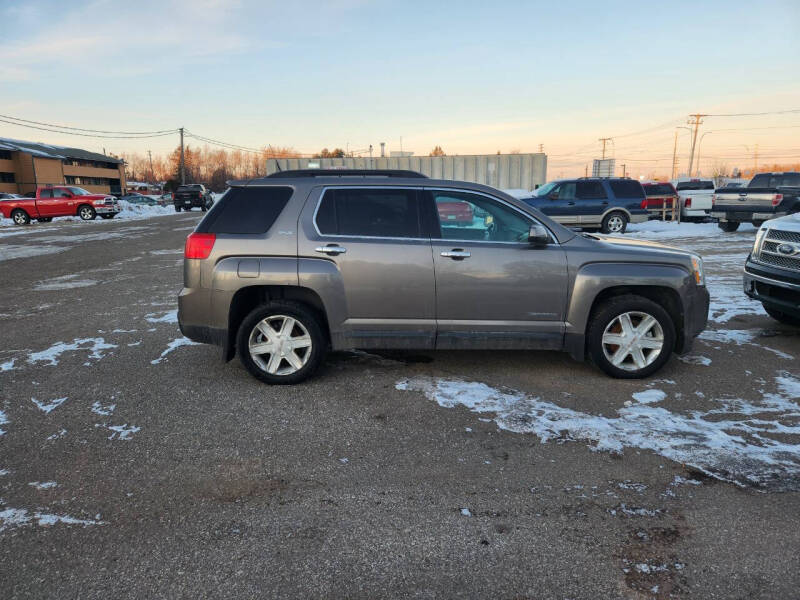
[778, 288]
[640, 218]
[746, 216]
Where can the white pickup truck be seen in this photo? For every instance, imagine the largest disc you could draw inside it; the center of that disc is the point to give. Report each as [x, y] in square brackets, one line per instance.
[694, 198]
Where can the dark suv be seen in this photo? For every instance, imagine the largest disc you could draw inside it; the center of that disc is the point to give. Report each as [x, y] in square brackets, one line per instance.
[192, 195]
[285, 267]
[607, 204]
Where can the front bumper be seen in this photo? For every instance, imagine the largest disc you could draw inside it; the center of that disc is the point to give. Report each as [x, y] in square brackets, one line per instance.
[695, 316]
[778, 288]
[106, 209]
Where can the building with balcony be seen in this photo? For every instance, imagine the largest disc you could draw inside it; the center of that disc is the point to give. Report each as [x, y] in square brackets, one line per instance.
[24, 166]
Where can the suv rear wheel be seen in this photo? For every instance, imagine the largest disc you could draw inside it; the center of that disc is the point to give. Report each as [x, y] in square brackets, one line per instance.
[281, 342]
[630, 337]
[615, 222]
[728, 226]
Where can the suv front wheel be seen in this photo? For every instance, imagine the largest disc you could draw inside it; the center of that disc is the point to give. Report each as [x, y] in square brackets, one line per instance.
[281, 342]
[630, 337]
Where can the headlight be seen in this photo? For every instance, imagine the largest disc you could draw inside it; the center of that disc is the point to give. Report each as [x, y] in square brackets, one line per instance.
[755, 253]
[99, 202]
[697, 268]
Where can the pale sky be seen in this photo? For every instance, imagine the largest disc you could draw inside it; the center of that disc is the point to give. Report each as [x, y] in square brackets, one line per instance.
[470, 76]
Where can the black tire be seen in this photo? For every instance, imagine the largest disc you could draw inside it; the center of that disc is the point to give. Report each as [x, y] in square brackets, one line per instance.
[728, 226]
[177, 209]
[44, 219]
[107, 216]
[782, 317]
[203, 208]
[297, 311]
[87, 213]
[606, 314]
[614, 222]
[20, 217]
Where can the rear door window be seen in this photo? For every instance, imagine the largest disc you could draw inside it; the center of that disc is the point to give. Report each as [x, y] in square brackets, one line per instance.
[590, 190]
[246, 210]
[370, 212]
[626, 188]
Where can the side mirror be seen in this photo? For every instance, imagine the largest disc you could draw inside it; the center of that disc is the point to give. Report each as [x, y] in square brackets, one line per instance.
[538, 235]
[553, 195]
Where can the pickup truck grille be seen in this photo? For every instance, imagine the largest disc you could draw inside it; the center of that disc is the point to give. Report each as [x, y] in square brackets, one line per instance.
[769, 254]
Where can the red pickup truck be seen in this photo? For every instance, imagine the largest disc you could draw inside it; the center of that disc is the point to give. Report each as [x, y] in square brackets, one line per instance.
[59, 201]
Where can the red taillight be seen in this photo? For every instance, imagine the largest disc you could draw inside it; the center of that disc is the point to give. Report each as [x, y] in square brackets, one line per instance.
[713, 200]
[199, 245]
[776, 199]
[644, 203]
[688, 203]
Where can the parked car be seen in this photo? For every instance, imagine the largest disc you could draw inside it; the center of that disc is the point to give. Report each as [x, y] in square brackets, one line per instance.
[456, 213]
[193, 195]
[608, 204]
[772, 271]
[287, 266]
[59, 201]
[661, 198]
[767, 196]
[695, 198]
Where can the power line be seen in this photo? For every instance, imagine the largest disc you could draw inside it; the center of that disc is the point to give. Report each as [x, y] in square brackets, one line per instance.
[89, 135]
[135, 133]
[758, 114]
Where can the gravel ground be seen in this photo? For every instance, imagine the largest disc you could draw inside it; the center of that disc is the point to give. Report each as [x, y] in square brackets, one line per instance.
[133, 464]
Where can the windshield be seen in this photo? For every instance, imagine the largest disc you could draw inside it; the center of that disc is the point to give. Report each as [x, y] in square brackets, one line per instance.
[79, 191]
[545, 189]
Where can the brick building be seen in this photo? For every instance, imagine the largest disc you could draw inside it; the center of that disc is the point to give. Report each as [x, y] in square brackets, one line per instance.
[26, 165]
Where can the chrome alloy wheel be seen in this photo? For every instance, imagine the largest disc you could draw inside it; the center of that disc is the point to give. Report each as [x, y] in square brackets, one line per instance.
[19, 218]
[633, 340]
[86, 213]
[615, 224]
[280, 345]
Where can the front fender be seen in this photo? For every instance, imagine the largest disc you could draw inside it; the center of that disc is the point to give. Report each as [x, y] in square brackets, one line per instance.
[593, 279]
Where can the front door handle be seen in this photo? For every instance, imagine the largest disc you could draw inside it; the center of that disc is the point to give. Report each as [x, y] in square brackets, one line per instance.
[456, 254]
[332, 249]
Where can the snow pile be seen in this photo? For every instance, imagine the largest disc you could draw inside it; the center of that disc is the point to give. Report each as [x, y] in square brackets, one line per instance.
[659, 230]
[732, 442]
[130, 211]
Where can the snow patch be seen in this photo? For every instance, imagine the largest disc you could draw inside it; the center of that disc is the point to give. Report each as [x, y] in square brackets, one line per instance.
[49, 407]
[96, 346]
[173, 345]
[694, 359]
[721, 442]
[8, 365]
[17, 517]
[3, 421]
[65, 282]
[168, 317]
[43, 485]
[106, 410]
[123, 432]
[649, 396]
[11, 251]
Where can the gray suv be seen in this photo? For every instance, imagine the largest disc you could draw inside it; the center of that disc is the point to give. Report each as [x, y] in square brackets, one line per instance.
[286, 267]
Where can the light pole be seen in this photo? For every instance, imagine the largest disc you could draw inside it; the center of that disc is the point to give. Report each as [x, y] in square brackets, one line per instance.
[697, 169]
[675, 152]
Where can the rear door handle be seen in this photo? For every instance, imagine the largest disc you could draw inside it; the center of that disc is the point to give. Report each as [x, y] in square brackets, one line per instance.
[456, 254]
[332, 249]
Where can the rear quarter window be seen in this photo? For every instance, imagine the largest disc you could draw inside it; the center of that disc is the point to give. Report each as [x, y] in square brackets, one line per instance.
[246, 210]
[626, 189]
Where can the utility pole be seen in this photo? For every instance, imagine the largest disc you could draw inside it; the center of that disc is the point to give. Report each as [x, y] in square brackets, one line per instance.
[150, 156]
[183, 170]
[755, 160]
[604, 140]
[697, 122]
[675, 155]
[623, 169]
[586, 171]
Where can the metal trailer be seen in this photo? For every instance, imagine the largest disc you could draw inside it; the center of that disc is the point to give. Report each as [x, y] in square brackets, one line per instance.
[502, 171]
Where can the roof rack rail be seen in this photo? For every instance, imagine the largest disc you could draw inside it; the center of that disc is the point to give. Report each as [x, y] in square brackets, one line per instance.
[348, 173]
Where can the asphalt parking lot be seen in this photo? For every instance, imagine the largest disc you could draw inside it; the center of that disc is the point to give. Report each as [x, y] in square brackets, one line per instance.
[133, 464]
